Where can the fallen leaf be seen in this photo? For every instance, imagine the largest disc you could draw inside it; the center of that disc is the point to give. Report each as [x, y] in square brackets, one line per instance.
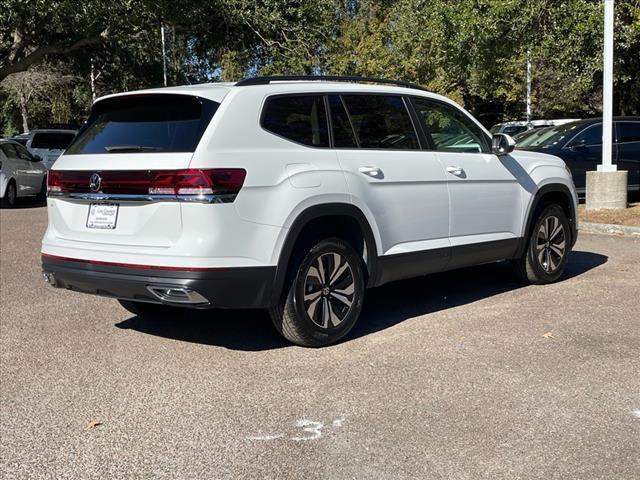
[93, 424]
[548, 335]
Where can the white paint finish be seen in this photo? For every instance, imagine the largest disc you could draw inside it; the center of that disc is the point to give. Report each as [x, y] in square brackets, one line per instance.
[485, 199]
[407, 206]
[124, 161]
[303, 175]
[409, 200]
[163, 233]
[636, 413]
[607, 89]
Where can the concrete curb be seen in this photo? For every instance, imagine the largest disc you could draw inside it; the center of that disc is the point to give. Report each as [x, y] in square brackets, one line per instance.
[609, 229]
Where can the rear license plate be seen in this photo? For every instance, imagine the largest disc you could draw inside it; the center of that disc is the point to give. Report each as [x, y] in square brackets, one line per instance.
[103, 215]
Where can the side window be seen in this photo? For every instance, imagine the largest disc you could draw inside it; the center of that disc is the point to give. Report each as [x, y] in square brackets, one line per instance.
[9, 150]
[300, 118]
[23, 153]
[343, 136]
[450, 129]
[381, 122]
[590, 136]
[628, 132]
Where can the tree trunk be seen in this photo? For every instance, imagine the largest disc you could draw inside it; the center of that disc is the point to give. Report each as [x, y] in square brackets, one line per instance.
[24, 113]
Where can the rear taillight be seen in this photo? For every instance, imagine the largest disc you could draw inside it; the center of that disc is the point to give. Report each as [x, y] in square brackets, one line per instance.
[213, 185]
[54, 182]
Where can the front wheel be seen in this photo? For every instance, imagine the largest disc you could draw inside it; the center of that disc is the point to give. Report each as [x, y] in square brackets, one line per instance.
[547, 249]
[323, 297]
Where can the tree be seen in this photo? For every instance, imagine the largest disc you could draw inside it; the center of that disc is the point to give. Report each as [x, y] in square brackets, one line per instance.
[41, 86]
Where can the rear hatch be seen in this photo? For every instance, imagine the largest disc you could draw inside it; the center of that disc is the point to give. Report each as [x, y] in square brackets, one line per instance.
[114, 184]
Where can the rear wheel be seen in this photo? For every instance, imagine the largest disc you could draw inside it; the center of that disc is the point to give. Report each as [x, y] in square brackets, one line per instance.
[548, 247]
[151, 310]
[10, 195]
[324, 295]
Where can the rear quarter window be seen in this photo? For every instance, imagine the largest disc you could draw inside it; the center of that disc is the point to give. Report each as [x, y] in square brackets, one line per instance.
[145, 123]
[299, 118]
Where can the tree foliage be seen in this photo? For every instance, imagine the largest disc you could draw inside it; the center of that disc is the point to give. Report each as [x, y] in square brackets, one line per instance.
[474, 51]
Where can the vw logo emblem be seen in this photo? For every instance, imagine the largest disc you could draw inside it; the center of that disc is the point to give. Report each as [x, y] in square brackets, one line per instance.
[95, 182]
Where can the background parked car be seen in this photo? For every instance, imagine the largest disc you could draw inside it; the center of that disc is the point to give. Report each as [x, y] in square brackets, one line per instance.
[529, 135]
[48, 144]
[579, 144]
[21, 138]
[21, 174]
[515, 128]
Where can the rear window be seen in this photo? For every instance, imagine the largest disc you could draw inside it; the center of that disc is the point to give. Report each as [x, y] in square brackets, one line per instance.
[145, 123]
[52, 140]
[300, 118]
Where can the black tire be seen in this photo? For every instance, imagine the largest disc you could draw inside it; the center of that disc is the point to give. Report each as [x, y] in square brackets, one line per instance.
[10, 196]
[151, 310]
[339, 296]
[42, 194]
[546, 254]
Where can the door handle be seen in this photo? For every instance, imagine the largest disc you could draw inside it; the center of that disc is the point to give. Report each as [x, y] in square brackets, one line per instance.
[457, 171]
[371, 171]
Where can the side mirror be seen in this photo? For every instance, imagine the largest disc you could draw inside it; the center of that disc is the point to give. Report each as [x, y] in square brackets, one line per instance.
[502, 144]
[37, 158]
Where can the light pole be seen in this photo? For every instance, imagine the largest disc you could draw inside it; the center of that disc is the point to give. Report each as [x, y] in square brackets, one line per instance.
[607, 187]
[607, 90]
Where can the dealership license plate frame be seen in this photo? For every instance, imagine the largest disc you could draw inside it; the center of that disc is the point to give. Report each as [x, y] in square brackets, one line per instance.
[109, 218]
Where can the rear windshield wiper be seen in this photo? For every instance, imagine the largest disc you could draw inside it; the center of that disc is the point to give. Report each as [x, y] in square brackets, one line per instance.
[129, 148]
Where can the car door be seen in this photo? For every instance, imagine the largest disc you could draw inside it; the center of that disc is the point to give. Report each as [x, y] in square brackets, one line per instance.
[34, 171]
[628, 144]
[583, 153]
[485, 199]
[388, 175]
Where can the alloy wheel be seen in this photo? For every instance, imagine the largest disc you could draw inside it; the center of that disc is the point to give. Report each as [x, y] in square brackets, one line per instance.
[329, 290]
[550, 244]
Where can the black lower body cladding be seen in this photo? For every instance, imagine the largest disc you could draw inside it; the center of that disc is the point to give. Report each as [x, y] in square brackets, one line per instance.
[241, 287]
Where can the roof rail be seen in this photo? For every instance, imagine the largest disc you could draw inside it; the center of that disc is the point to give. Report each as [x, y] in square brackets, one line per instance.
[330, 78]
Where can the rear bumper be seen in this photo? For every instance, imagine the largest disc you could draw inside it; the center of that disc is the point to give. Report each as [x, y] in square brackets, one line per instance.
[240, 287]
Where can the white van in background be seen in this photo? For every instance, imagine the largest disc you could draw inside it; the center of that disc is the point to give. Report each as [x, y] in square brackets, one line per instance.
[49, 144]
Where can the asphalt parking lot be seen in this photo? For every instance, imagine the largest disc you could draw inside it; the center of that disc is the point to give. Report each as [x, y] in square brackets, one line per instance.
[463, 375]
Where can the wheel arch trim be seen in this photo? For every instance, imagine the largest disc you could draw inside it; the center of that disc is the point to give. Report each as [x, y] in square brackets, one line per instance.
[533, 206]
[315, 212]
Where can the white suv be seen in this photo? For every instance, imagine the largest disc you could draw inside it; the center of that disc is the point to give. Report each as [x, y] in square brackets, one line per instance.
[294, 194]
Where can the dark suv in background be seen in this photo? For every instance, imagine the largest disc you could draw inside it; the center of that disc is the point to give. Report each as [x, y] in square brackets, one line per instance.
[579, 144]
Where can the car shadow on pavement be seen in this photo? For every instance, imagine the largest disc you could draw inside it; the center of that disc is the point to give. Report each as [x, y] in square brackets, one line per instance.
[26, 203]
[386, 306]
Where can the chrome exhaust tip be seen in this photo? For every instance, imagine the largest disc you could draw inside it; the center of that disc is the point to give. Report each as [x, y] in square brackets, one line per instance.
[49, 278]
[182, 295]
